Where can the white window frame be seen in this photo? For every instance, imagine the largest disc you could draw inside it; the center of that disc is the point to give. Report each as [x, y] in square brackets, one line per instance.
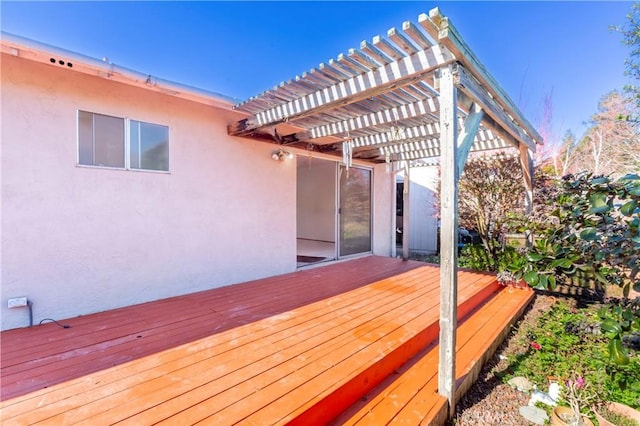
[126, 141]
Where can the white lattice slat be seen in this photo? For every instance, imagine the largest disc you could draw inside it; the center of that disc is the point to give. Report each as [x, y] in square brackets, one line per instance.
[390, 83]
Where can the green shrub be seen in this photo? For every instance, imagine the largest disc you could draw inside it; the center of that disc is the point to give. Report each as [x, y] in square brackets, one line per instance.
[592, 237]
[476, 257]
[566, 342]
[593, 233]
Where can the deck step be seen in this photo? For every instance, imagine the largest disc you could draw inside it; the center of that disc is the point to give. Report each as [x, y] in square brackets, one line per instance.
[304, 366]
[410, 396]
[329, 404]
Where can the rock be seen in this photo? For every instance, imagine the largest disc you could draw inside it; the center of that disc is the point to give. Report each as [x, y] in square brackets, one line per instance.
[554, 391]
[538, 396]
[521, 383]
[534, 414]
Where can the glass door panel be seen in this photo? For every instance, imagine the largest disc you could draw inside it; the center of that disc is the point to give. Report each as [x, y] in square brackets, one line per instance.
[355, 211]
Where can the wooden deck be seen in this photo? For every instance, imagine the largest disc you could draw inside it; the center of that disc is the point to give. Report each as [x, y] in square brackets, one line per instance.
[302, 348]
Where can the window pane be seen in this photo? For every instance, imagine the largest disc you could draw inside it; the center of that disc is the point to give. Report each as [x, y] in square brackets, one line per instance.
[85, 138]
[149, 146]
[108, 141]
[134, 141]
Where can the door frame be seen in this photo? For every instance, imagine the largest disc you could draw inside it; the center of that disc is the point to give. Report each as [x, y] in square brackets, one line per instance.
[336, 208]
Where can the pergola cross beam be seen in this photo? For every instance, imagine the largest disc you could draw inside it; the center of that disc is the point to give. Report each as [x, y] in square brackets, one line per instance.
[440, 27]
[467, 84]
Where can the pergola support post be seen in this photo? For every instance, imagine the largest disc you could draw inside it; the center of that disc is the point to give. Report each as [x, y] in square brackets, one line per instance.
[448, 237]
[394, 210]
[526, 162]
[406, 205]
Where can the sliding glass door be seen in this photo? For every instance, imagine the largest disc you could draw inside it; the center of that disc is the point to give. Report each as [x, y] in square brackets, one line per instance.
[354, 211]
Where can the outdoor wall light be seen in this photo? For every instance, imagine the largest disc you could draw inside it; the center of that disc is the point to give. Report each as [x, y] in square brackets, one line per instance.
[281, 155]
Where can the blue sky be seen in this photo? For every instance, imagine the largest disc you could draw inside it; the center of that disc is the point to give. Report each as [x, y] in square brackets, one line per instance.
[240, 49]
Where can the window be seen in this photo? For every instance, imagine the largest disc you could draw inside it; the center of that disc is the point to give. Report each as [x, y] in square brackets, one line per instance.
[100, 140]
[149, 146]
[123, 143]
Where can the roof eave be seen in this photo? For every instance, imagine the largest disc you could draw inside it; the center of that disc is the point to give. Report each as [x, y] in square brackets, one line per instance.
[25, 48]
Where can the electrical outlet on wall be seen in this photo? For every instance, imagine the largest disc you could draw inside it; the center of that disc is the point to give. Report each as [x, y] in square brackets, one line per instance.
[17, 302]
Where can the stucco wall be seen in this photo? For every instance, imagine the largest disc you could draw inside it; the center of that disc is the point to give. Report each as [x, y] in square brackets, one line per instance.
[77, 240]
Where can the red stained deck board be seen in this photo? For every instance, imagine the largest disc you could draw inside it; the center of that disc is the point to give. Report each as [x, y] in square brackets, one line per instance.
[329, 402]
[101, 340]
[278, 365]
[289, 384]
[154, 378]
[257, 337]
[316, 285]
[161, 372]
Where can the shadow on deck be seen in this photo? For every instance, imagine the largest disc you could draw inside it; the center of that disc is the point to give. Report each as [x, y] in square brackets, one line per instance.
[351, 342]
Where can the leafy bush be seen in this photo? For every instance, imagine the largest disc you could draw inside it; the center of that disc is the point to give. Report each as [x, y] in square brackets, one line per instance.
[592, 236]
[566, 342]
[477, 257]
[489, 188]
[594, 233]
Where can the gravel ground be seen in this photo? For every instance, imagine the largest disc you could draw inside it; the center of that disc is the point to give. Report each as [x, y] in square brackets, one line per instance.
[489, 401]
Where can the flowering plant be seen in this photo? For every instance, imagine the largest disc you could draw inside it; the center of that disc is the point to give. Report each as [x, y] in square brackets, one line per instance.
[578, 394]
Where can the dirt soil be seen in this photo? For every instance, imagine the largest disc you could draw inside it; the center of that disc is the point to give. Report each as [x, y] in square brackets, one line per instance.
[489, 401]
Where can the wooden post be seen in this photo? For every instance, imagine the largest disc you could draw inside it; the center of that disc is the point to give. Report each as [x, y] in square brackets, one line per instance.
[448, 237]
[406, 205]
[467, 134]
[527, 173]
[394, 211]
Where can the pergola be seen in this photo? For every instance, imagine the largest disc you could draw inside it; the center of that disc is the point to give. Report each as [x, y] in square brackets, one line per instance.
[418, 94]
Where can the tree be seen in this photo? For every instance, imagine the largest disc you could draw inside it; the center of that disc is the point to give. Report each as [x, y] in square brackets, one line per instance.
[489, 189]
[631, 37]
[611, 146]
[563, 159]
[545, 129]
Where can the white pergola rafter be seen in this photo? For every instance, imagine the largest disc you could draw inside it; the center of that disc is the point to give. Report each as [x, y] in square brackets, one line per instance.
[417, 95]
[409, 133]
[423, 149]
[406, 70]
[484, 138]
[388, 116]
[420, 145]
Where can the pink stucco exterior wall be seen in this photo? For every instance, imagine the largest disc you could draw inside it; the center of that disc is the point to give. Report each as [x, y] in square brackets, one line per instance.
[77, 240]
